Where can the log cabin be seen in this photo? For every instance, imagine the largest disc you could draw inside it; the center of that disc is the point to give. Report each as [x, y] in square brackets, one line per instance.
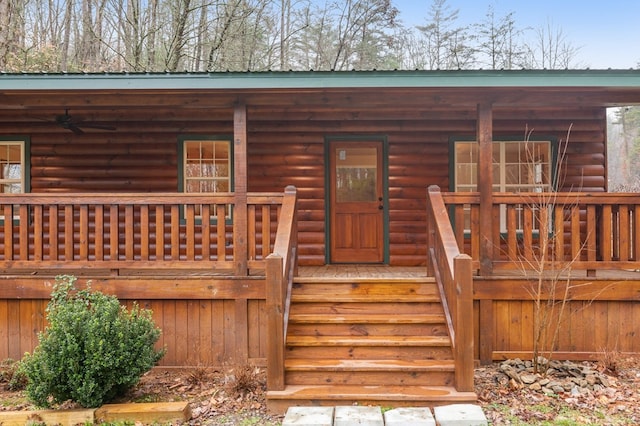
[366, 236]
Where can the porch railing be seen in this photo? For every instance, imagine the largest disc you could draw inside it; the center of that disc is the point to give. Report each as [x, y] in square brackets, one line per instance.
[282, 266]
[588, 231]
[138, 231]
[453, 273]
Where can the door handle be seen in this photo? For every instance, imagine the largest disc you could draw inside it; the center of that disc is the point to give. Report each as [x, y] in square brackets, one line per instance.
[380, 207]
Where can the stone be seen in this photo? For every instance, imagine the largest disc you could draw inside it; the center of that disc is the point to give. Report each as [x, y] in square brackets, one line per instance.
[527, 379]
[357, 415]
[460, 415]
[308, 416]
[414, 416]
[535, 386]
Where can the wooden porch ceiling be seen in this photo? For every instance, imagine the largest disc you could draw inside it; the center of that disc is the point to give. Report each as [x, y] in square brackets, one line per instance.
[132, 110]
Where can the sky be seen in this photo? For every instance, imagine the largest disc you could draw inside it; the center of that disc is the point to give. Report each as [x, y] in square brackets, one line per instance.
[607, 32]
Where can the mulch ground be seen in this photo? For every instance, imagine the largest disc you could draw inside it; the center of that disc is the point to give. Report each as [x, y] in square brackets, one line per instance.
[236, 396]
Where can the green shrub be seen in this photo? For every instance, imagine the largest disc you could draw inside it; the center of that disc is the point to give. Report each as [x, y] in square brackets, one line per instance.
[92, 350]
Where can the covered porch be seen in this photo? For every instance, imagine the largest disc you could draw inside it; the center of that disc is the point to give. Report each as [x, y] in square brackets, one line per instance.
[173, 256]
[222, 270]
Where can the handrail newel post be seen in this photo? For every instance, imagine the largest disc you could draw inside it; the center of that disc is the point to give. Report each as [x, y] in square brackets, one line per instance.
[275, 322]
[464, 323]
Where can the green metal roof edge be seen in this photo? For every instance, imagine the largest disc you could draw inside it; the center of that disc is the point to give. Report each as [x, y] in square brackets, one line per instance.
[320, 79]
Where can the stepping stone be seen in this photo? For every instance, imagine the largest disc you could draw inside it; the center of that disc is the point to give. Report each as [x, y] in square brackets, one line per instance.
[414, 416]
[308, 416]
[460, 415]
[357, 415]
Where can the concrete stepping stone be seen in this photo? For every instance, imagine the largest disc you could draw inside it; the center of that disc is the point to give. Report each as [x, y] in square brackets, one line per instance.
[460, 415]
[358, 415]
[308, 416]
[405, 416]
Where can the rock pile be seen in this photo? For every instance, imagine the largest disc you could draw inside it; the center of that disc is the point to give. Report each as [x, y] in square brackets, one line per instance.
[560, 377]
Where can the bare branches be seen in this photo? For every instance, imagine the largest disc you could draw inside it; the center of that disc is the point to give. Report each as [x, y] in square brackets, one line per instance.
[214, 35]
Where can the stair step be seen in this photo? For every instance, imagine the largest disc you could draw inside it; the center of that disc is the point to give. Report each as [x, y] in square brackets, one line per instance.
[368, 365]
[368, 287]
[368, 341]
[400, 318]
[380, 393]
[390, 309]
[360, 280]
[387, 396]
[370, 352]
[379, 298]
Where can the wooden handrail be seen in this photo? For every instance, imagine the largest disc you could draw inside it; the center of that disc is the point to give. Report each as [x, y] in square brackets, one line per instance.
[453, 273]
[97, 230]
[281, 267]
[586, 231]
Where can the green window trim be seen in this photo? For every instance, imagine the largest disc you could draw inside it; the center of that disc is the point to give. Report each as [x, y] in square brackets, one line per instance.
[211, 181]
[550, 183]
[24, 144]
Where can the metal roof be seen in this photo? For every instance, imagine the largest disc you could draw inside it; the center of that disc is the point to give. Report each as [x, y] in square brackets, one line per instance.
[320, 80]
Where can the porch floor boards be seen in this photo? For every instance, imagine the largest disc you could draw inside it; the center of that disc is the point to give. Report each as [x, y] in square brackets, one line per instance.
[362, 271]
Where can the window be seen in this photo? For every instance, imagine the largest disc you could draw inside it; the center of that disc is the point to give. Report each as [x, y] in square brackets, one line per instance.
[517, 167]
[206, 167]
[12, 167]
[14, 176]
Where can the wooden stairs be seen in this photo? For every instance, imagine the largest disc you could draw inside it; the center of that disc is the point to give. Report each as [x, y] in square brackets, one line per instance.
[380, 341]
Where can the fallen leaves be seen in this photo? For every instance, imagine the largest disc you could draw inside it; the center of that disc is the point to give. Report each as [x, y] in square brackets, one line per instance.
[578, 393]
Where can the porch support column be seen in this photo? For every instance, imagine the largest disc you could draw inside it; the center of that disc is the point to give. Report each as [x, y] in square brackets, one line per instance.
[240, 189]
[484, 132]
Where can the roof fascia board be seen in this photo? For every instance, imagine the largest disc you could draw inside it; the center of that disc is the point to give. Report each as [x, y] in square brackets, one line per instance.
[321, 80]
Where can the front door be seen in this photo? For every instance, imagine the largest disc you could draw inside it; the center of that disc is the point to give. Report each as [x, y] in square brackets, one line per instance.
[356, 201]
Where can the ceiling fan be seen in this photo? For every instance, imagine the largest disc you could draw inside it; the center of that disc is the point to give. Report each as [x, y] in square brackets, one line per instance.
[66, 121]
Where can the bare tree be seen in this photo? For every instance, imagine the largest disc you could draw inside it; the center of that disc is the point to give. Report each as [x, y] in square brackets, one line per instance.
[550, 49]
[446, 44]
[210, 35]
[12, 34]
[498, 41]
[624, 149]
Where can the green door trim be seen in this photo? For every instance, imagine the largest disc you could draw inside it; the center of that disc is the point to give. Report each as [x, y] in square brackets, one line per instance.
[385, 189]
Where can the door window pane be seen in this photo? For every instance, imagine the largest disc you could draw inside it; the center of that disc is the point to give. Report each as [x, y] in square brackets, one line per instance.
[356, 174]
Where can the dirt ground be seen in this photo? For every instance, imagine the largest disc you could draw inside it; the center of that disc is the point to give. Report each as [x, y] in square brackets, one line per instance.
[236, 396]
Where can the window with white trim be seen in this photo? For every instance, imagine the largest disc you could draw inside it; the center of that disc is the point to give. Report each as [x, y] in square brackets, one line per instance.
[207, 167]
[518, 166]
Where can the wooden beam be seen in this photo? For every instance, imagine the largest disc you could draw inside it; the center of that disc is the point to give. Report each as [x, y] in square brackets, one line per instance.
[130, 287]
[240, 224]
[484, 133]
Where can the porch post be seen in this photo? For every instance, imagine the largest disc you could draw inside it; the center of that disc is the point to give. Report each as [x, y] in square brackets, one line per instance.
[484, 132]
[240, 189]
